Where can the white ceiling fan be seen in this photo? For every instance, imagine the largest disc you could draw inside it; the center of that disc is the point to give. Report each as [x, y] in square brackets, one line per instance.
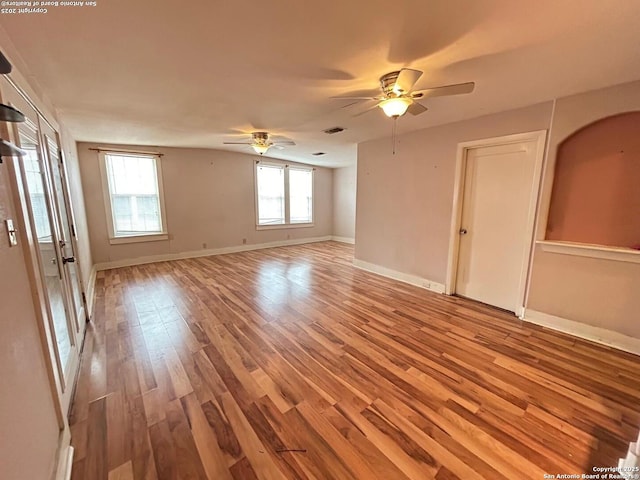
[397, 98]
[263, 141]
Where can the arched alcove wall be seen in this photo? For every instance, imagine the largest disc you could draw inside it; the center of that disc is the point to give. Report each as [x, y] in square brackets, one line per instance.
[596, 187]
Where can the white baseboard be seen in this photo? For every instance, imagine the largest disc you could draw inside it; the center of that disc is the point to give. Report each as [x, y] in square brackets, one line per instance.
[349, 240]
[65, 456]
[206, 252]
[588, 332]
[402, 277]
[91, 291]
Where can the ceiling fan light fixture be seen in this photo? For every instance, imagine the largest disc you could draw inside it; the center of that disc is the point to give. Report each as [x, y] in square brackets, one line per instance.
[396, 106]
[260, 148]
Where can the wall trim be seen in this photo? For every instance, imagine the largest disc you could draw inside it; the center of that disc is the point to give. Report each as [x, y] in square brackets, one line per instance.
[65, 456]
[206, 252]
[620, 254]
[587, 332]
[400, 276]
[91, 291]
[349, 240]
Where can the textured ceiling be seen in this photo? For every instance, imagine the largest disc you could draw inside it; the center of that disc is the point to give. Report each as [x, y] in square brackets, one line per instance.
[191, 74]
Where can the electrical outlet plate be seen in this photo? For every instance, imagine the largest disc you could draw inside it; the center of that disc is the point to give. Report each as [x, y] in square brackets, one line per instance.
[11, 232]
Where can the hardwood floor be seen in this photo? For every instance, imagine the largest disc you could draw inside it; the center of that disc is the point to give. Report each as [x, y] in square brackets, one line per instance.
[291, 363]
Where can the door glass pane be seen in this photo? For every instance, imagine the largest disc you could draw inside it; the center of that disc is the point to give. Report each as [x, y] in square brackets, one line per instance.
[65, 220]
[46, 247]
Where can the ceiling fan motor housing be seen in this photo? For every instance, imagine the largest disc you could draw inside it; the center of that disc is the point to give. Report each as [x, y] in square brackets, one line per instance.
[260, 137]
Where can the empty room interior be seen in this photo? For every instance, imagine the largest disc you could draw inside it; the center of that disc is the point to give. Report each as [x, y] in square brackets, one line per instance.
[319, 240]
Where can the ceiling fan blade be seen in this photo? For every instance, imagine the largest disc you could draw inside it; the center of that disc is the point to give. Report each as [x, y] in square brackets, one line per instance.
[368, 93]
[407, 78]
[284, 142]
[416, 108]
[236, 143]
[363, 100]
[457, 89]
[366, 110]
[351, 103]
[279, 147]
[355, 98]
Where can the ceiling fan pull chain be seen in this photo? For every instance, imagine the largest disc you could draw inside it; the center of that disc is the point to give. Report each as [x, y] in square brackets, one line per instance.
[393, 133]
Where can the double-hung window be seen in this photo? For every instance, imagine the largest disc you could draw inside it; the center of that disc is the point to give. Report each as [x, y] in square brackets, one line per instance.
[133, 197]
[284, 195]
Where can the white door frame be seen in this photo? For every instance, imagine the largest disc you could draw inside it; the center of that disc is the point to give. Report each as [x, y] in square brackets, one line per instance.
[539, 137]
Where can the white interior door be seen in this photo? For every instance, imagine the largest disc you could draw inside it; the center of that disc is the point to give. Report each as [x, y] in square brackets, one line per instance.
[44, 214]
[496, 223]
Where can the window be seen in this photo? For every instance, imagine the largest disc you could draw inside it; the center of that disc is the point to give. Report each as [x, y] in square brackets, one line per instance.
[270, 195]
[284, 195]
[301, 195]
[134, 203]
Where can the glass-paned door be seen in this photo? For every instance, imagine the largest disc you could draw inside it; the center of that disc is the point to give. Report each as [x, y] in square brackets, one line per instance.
[67, 230]
[47, 233]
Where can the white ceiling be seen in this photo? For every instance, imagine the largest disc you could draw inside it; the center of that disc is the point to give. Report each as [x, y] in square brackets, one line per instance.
[190, 74]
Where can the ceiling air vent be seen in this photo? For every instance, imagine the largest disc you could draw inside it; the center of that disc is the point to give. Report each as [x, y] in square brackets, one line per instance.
[331, 131]
[318, 154]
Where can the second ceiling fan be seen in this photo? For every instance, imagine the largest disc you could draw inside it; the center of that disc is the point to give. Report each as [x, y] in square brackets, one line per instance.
[397, 98]
[263, 141]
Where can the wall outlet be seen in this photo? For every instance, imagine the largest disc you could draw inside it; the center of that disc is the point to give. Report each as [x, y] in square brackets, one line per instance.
[288, 236]
[244, 241]
[204, 245]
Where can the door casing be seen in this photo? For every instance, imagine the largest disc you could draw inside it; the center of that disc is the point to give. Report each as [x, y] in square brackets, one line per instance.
[539, 137]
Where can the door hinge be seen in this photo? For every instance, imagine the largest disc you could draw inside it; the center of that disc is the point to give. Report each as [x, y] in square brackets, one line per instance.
[73, 230]
[60, 156]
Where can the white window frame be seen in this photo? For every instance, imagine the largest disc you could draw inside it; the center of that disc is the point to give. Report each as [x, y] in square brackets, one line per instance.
[287, 199]
[114, 239]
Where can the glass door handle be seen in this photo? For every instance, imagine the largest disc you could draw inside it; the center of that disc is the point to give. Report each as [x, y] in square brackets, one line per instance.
[66, 260]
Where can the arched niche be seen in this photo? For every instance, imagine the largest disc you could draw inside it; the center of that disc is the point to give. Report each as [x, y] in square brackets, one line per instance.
[596, 187]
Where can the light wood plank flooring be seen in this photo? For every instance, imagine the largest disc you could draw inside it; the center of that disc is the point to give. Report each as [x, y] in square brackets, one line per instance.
[289, 363]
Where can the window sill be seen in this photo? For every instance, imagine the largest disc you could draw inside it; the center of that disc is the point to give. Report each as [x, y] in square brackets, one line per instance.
[620, 254]
[155, 237]
[280, 226]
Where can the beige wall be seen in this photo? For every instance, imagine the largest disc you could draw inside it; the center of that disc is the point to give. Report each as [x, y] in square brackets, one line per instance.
[29, 430]
[344, 202]
[598, 292]
[404, 201]
[209, 199]
[404, 205]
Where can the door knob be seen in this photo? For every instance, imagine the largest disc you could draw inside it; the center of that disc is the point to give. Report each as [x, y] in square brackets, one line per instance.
[463, 231]
[68, 260]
